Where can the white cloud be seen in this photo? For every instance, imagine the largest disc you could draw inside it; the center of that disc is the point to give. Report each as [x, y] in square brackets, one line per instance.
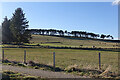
[116, 2]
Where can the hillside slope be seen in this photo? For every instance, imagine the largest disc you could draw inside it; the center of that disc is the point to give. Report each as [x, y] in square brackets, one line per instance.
[71, 42]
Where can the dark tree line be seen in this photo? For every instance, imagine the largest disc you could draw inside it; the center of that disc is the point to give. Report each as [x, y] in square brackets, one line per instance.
[72, 33]
[14, 29]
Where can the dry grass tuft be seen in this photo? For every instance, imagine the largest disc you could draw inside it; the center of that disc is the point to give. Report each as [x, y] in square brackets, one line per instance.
[71, 67]
[107, 72]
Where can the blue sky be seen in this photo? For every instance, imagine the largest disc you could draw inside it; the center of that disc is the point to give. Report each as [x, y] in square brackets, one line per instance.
[97, 17]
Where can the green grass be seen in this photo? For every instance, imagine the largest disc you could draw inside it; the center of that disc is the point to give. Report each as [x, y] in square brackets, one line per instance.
[87, 59]
[66, 42]
[9, 75]
[65, 58]
[63, 41]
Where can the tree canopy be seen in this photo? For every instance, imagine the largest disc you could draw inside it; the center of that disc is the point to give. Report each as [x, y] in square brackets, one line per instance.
[67, 33]
[14, 30]
[6, 32]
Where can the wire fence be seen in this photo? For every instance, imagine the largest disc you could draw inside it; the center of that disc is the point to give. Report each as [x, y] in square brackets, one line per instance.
[61, 59]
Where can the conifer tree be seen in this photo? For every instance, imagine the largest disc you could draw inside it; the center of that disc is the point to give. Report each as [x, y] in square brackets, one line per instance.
[18, 27]
[6, 32]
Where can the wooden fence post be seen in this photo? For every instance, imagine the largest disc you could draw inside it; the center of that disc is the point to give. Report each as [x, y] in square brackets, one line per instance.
[54, 60]
[99, 61]
[2, 54]
[24, 56]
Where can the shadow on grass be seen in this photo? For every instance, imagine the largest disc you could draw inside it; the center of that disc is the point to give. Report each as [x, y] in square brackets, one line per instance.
[33, 65]
[53, 47]
[44, 66]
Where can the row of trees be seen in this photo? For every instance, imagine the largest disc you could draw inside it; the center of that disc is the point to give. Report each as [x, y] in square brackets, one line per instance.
[72, 33]
[14, 29]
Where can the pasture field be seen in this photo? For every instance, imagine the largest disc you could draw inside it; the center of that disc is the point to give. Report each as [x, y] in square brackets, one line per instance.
[70, 42]
[54, 41]
[84, 59]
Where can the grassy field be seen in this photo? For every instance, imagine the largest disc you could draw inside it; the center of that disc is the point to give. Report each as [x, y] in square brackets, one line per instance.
[84, 59]
[65, 58]
[70, 42]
